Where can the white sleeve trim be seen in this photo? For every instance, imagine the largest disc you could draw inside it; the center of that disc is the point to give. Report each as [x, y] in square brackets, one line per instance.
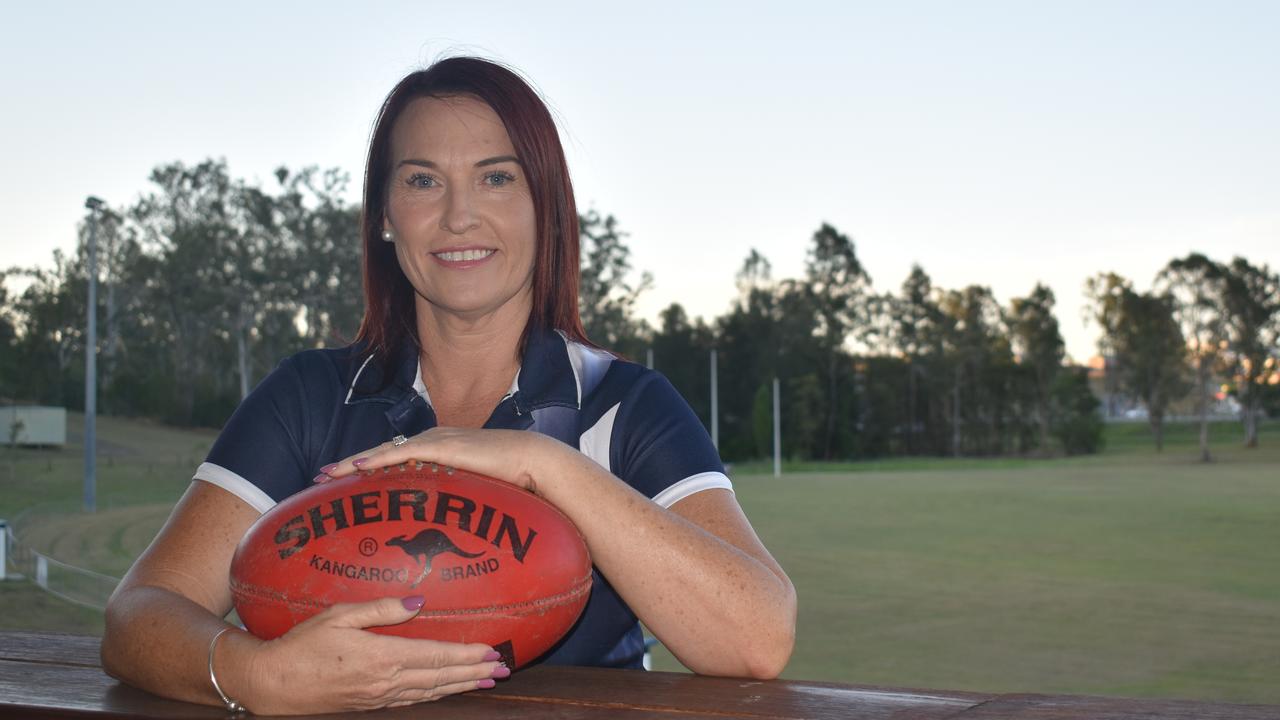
[692, 485]
[234, 484]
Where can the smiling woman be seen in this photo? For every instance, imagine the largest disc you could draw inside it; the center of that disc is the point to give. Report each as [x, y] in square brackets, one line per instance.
[460, 212]
[470, 354]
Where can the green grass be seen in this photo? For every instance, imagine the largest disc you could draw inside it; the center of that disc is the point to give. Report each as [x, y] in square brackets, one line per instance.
[1127, 573]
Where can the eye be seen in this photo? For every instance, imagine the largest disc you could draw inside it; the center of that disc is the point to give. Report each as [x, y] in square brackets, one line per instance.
[499, 178]
[421, 180]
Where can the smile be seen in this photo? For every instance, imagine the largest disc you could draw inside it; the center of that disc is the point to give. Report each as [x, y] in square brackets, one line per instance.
[464, 255]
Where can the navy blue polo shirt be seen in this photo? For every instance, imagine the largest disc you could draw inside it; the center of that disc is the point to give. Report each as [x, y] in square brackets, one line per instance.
[320, 406]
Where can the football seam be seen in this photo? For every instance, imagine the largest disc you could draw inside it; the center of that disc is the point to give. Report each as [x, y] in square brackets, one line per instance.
[258, 592]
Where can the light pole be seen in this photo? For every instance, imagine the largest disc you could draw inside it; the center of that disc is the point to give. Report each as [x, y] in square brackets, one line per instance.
[91, 363]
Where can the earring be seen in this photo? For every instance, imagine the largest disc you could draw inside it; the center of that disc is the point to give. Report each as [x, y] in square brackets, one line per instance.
[387, 236]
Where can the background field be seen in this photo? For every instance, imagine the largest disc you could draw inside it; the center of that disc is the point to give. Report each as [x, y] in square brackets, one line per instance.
[1128, 573]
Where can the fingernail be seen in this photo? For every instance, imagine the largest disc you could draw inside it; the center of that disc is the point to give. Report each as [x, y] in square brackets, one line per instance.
[321, 478]
[492, 655]
[359, 461]
[502, 671]
[414, 602]
[486, 684]
[329, 468]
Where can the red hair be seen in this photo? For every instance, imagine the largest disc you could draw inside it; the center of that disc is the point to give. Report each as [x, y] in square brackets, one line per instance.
[389, 316]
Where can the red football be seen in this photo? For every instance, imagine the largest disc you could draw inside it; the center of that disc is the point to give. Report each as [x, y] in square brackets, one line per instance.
[496, 564]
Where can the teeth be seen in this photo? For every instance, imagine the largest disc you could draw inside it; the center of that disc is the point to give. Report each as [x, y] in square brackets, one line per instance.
[464, 255]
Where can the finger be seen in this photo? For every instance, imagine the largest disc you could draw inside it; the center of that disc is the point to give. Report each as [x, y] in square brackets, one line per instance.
[432, 655]
[352, 463]
[374, 613]
[452, 675]
[413, 696]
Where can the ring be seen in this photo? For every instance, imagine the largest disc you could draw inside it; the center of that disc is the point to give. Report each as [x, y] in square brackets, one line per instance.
[399, 440]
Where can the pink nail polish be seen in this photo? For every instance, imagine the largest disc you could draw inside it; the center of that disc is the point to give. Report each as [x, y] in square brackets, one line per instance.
[414, 602]
[329, 468]
[502, 671]
[321, 478]
[486, 684]
[492, 655]
[359, 461]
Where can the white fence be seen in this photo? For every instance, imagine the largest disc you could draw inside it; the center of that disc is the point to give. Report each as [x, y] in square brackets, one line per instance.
[71, 583]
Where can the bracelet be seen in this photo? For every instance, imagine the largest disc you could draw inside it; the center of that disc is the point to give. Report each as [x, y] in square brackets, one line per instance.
[232, 705]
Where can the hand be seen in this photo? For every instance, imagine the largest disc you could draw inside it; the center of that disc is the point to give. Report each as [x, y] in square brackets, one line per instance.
[329, 663]
[510, 455]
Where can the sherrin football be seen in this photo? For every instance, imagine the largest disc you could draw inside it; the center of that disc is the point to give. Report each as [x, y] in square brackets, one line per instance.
[496, 564]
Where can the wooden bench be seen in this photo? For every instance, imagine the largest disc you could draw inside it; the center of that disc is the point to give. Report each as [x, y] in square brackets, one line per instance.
[59, 676]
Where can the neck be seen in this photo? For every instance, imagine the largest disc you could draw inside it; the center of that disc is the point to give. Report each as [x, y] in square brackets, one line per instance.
[468, 363]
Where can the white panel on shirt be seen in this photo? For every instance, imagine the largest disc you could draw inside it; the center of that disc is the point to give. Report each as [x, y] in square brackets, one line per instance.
[234, 484]
[594, 443]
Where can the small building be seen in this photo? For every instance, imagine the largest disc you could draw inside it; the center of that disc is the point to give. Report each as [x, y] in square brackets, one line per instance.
[33, 425]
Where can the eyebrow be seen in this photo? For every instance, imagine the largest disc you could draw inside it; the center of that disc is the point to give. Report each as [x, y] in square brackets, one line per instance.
[482, 163]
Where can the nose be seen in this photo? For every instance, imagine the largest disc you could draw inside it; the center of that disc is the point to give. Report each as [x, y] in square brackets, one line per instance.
[458, 217]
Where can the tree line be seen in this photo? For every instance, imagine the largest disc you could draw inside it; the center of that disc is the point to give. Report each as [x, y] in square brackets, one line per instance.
[208, 280]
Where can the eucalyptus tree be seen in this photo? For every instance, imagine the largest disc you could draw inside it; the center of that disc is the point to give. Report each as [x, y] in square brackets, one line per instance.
[681, 352]
[186, 225]
[982, 359]
[49, 321]
[1039, 346]
[1140, 330]
[916, 333]
[1251, 300]
[606, 293]
[839, 288]
[322, 265]
[1197, 284]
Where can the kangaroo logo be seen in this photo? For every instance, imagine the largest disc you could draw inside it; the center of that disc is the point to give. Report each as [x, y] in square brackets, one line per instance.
[425, 546]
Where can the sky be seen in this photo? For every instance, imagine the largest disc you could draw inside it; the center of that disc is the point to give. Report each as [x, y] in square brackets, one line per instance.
[993, 143]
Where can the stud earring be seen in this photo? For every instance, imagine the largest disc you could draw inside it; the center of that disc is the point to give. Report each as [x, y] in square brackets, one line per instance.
[387, 236]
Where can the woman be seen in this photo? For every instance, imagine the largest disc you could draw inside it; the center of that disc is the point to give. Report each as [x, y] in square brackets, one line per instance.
[471, 337]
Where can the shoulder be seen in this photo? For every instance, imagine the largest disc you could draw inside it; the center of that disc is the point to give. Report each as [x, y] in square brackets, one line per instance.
[323, 370]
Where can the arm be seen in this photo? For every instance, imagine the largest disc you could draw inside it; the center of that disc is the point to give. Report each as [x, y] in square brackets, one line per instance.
[162, 616]
[695, 574]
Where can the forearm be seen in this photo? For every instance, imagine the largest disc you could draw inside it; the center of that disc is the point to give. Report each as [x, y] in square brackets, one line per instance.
[718, 609]
[158, 640]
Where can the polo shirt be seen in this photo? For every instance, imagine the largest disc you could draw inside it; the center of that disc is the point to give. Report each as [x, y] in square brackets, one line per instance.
[320, 406]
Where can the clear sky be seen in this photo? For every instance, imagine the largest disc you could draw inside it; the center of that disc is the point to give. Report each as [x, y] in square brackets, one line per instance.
[997, 143]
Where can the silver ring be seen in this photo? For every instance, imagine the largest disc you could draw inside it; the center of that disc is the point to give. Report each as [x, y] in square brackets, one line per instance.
[399, 440]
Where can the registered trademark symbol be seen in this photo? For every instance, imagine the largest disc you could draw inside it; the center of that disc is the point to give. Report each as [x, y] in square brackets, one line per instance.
[368, 547]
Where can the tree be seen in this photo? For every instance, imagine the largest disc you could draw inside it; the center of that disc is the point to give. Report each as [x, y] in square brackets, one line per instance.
[1141, 332]
[606, 297]
[1076, 423]
[681, 352]
[981, 360]
[1039, 346]
[9, 382]
[1197, 284]
[917, 324]
[1251, 304]
[839, 287]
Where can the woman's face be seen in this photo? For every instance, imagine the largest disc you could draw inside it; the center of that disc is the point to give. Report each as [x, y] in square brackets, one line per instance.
[459, 205]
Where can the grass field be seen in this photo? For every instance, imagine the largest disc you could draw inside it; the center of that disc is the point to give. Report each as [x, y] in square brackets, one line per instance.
[1126, 573]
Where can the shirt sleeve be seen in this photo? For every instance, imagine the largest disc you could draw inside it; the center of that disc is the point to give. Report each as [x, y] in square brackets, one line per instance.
[660, 447]
[259, 455]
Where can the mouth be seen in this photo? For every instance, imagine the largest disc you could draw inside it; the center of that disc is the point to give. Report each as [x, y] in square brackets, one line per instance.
[464, 255]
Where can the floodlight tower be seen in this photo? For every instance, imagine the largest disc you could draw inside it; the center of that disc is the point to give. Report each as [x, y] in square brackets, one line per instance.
[95, 206]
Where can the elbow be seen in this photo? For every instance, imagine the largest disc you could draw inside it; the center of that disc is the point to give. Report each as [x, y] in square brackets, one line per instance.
[768, 657]
[768, 660]
[109, 649]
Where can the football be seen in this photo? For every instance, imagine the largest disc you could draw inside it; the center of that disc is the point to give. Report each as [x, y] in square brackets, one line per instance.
[497, 564]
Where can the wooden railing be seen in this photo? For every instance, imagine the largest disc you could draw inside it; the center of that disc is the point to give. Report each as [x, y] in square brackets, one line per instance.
[59, 676]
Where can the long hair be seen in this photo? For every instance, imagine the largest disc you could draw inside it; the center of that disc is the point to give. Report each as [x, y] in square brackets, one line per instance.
[390, 317]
